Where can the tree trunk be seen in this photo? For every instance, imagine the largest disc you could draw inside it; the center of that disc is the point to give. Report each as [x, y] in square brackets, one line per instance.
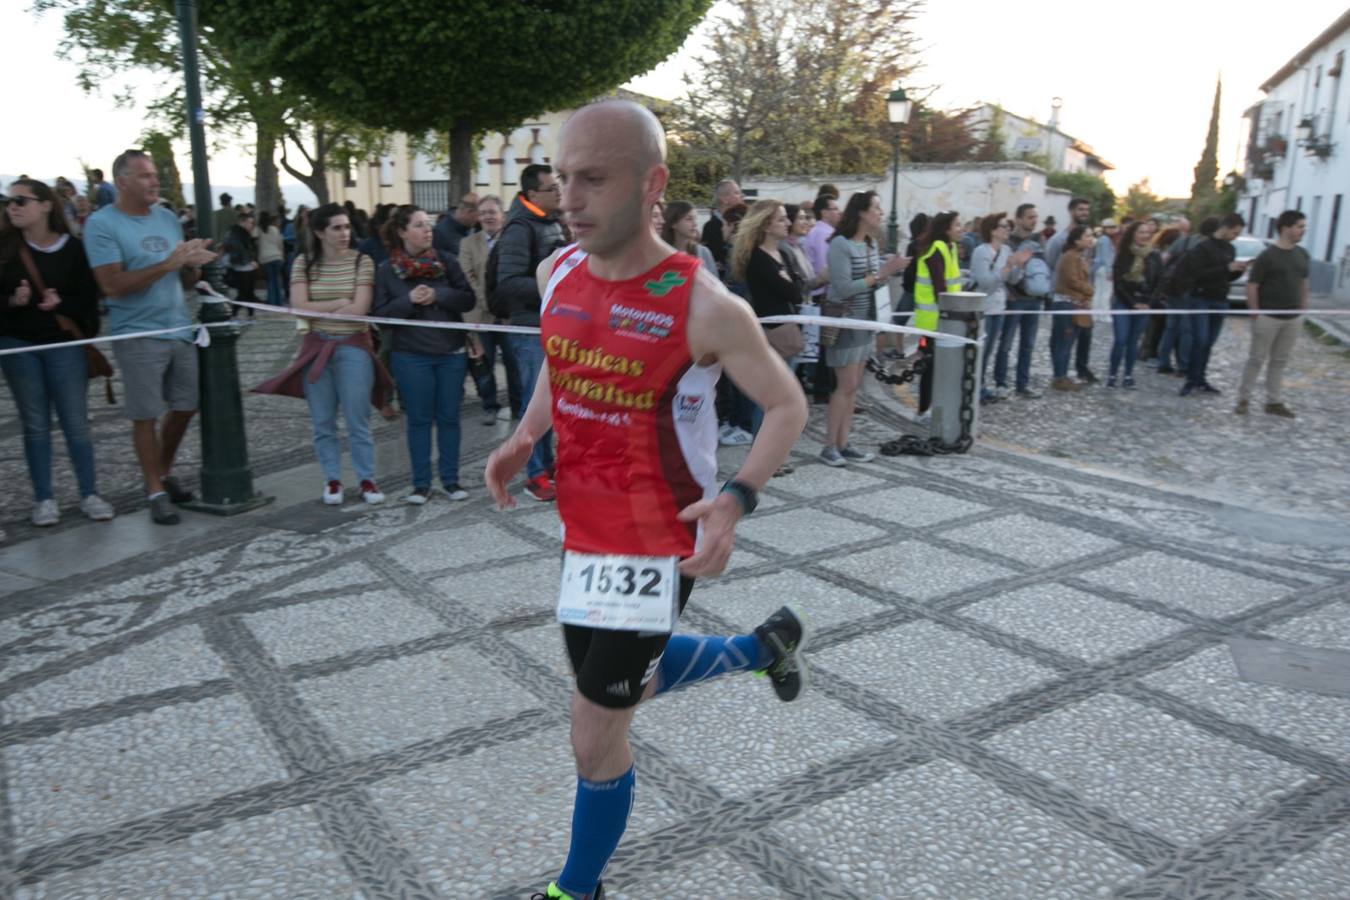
[267, 188]
[316, 179]
[461, 160]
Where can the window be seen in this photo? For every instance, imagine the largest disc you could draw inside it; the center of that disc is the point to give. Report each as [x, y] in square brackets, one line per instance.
[508, 164]
[386, 171]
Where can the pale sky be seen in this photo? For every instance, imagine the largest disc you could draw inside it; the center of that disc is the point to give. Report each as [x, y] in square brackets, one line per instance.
[1136, 82]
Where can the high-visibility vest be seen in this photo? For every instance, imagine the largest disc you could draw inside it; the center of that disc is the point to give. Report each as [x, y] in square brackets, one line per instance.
[925, 299]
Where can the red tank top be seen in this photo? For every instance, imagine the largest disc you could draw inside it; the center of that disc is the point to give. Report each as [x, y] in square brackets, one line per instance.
[633, 414]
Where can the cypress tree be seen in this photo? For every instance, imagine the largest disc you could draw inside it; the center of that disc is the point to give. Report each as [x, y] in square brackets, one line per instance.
[1203, 189]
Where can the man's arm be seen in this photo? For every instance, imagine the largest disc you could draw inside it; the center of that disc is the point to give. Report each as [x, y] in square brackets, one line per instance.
[722, 327]
[186, 259]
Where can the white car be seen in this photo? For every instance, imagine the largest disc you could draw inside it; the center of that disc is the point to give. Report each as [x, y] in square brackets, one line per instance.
[1247, 248]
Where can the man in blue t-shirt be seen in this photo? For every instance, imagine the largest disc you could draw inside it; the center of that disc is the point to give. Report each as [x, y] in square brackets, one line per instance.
[103, 192]
[142, 265]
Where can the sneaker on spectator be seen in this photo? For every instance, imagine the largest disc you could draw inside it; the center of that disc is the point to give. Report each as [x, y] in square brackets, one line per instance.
[332, 493]
[417, 496]
[1065, 384]
[1241, 408]
[162, 511]
[1087, 376]
[736, 437]
[540, 487]
[1001, 392]
[96, 508]
[1128, 383]
[45, 513]
[370, 492]
[177, 493]
[505, 415]
[923, 418]
[1207, 388]
[831, 456]
[454, 491]
[852, 455]
[1027, 393]
[490, 416]
[1279, 409]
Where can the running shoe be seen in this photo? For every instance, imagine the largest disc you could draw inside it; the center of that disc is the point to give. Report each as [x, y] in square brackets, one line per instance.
[45, 513]
[852, 455]
[786, 635]
[161, 510]
[1207, 388]
[370, 492]
[332, 493]
[831, 456]
[454, 491]
[1027, 393]
[556, 893]
[1128, 383]
[418, 496]
[96, 508]
[1087, 376]
[540, 487]
[731, 436]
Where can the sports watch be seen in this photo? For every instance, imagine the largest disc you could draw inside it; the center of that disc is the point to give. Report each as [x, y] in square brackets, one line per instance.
[747, 496]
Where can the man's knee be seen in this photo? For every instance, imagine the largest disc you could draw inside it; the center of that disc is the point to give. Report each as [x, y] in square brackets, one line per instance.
[599, 735]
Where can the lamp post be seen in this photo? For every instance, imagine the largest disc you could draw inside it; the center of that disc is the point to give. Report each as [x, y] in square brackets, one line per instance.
[226, 479]
[898, 108]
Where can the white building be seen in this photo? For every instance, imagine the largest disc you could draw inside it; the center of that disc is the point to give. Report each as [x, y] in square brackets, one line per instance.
[1297, 149]
[1041, 143]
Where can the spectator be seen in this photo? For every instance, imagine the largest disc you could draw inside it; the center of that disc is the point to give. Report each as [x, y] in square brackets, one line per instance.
[1048, 231]
[271, 256]
[1277, 287]
[530, 235]
[142, 265]
[805, 274]
[1177, 329]
[241, 256]
[855, 269]
[970, 239]
[223, 219]
[658, 216]
[48, 296]
[735, 412]
[680, 229]
[461, 223]
[1028, 286]
[1103, 264]
[1138, 269]
[715, 238]
[1073, 292]
[82, 211]
[101, 193]
[474, 252]
[1157, 324]
[374, 245]
[917, 227]
[1080, 213]
[991, 265]
[423, 284]
[335, 367]
[816, 246]
[1207, 271]
[757, 258]
[65, 195]
[938, 271]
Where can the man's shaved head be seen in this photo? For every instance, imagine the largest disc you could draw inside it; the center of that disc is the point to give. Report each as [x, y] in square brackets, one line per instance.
[627, 126]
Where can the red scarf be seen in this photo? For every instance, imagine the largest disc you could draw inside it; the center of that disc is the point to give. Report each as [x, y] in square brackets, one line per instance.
[408, 267]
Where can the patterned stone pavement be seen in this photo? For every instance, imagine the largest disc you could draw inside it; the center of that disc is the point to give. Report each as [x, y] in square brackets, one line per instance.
[1021, 689]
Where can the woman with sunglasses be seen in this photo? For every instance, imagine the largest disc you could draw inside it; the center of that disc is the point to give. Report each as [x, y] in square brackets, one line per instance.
[47, 296]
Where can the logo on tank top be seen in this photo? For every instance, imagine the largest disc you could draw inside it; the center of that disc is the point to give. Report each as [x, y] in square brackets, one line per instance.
[643, 324]
[668, 281]
[687, 407]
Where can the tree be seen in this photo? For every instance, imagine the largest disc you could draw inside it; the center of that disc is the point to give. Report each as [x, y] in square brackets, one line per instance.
[543, 56]
[109, 37]
[160, 147]
[1203, 200]
[1090, 187]
[940, 136]
[1140, 201]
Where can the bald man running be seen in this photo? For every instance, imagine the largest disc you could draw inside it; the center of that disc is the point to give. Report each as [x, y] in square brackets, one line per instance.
[636, 335]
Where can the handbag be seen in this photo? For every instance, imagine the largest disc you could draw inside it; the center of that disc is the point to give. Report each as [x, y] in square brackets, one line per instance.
[786, 339]
[95, 361]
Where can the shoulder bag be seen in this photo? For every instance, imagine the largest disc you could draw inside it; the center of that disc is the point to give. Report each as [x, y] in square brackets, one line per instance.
[96, 362]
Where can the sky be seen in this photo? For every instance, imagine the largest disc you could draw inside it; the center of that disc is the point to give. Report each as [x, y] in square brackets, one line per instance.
[1137, 86]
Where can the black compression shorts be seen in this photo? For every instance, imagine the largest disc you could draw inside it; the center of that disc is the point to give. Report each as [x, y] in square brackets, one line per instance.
[613, 667]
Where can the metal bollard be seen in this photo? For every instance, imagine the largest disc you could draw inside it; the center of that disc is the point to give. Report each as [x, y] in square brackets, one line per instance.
[956, 370]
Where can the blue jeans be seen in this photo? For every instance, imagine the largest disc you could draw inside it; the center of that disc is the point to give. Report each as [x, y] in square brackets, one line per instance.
[1128, 330]
[1063, 333]
[276, 289]
[1176, 336]
[1084, 349]
[529, 354]
[346, 382]
[1204, 334]
[38, 382]
[493, 341]
[1026, 327]
[431, 387]
[990, 331]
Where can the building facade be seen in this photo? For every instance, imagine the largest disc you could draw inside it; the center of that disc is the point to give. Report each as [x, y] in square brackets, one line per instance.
[1041, 143]
[1296, 154]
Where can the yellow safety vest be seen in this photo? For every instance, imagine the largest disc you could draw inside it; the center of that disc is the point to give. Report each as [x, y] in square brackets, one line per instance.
[925, 300]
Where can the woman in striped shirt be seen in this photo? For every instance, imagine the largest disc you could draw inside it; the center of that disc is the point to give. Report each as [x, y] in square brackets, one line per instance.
[336, 367]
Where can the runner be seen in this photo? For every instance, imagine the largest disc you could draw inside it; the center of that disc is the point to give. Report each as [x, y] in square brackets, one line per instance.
[636, 336]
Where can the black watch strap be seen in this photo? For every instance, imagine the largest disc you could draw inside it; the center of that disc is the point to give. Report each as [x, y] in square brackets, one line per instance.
[747, 496]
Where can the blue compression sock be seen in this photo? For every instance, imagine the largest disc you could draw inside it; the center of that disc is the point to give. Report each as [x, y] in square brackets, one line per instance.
[598, 821]
[691, 658]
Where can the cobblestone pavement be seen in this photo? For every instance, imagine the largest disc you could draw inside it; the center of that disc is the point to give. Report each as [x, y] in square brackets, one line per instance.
[1021, 689]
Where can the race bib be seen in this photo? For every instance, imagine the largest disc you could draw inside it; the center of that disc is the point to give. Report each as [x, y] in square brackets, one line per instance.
[619, 593]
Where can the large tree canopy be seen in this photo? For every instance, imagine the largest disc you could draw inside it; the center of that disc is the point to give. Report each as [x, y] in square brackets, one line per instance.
[466, 66]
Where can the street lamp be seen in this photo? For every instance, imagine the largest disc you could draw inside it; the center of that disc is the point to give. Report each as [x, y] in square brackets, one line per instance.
[898, 108]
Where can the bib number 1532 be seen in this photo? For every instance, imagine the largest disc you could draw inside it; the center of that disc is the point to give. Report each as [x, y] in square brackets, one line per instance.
[621, 593]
